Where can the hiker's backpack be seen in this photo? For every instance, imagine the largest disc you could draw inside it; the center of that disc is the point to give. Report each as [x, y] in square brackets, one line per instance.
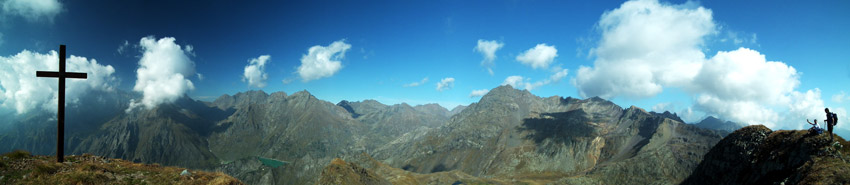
[834, 118]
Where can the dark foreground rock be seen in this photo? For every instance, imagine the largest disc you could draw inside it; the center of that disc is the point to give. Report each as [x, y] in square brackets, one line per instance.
[758, 155]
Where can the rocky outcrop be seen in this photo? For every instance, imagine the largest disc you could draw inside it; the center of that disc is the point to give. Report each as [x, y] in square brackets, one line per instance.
[339, 172]
[758, 155]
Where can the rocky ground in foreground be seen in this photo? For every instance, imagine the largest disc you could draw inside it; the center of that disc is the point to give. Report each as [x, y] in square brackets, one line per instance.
[758, 155]
[750, 155]
[19, 167]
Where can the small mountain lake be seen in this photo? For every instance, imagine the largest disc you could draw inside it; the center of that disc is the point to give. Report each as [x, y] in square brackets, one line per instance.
[274, 163]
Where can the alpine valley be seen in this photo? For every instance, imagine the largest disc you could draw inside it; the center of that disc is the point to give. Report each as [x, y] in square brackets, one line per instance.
[509, 137]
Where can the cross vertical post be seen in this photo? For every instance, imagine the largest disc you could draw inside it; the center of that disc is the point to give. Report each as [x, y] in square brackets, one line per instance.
[60, 125]
[60, 122]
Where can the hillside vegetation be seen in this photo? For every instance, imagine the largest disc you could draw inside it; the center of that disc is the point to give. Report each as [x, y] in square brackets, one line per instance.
[19, 167]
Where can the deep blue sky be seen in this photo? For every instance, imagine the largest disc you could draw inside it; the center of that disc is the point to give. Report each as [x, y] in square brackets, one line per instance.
[394, 43]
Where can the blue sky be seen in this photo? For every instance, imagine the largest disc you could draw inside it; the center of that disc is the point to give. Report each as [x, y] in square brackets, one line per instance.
[392, 44]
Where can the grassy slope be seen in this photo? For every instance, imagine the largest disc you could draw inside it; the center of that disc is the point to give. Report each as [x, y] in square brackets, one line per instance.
[20, 167]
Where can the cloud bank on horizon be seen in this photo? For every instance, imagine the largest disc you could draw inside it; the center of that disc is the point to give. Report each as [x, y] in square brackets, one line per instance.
[635, 59]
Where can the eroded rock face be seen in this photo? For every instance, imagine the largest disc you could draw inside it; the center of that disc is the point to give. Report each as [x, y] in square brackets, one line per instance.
[757, 155]
[172, 134]
[512, 132]
[339, 172]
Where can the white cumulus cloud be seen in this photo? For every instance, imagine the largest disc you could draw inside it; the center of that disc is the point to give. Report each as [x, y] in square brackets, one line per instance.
[520, 82]
[742, 86]
[644, 46]
[647, 46]
[22, 91]
[255, 72]
[163, 72]
[488, 49]
[478, 93]
[414, 84]
[32, 10]
[514, 81]
[805, 105]
[446, 84]
[322, 61]
[538, 57]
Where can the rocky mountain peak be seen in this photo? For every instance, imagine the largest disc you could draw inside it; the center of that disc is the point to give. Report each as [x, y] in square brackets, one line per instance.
[239, 99]
[347, 106]
[302, 93]
[714, 123]
[669, 115]
[432, 108]
[505, 90]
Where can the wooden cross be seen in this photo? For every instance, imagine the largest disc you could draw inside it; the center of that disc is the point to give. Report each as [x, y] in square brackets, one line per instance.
[61, 74]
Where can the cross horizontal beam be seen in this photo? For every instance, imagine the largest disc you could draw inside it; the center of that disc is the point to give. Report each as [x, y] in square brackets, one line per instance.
[56, 74]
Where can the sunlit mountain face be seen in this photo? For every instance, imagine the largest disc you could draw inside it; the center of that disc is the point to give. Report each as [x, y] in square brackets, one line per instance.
[424, 92]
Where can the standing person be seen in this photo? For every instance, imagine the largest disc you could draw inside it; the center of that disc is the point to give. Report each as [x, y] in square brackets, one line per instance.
[829, 122]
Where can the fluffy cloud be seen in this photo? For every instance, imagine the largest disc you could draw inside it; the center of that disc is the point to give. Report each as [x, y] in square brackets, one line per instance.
[22, 91]
[478, 93]
[446, 84]
[488, 50]
[33, 10]
[514, 81]
[163, 72]
[414, 84]
[742, 86]
[322, 61]
[538, 57]
[523, 83]
[647, 46]
[661, 107]
[255, 72]
[805, 105]
[644, 46]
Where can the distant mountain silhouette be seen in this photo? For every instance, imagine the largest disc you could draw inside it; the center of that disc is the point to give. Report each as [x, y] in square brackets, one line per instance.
[725, 127]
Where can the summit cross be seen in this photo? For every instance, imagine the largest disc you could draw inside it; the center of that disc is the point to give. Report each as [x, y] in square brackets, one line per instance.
[60, 122]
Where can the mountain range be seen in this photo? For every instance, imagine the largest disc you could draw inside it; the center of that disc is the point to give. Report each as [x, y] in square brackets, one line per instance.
[507, 137]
